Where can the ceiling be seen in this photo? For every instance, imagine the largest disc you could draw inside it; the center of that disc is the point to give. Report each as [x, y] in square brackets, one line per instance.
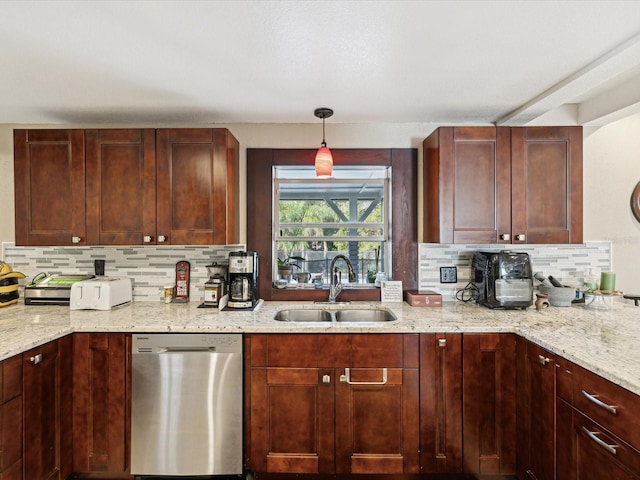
[450, 62]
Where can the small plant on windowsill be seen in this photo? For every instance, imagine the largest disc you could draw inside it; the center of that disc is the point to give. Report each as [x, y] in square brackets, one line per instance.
[285, 266]
[371, 276]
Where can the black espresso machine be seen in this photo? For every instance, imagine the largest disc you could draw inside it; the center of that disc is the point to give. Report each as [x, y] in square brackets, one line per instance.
[243, 280]
[503, 279]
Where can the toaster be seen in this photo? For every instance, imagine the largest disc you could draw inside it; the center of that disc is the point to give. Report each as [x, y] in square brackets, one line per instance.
[100, 293]
[503, 279]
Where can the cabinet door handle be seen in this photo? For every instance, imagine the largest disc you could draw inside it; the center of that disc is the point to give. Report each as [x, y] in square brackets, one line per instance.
[543, 360]
[442, 342]
[605, 445]
[521, 237]
[326, 379]
[162, 238]
[146, 239]
[505, 236]
[36, 359]
[600, 403]
[346, 378]
[75, 239]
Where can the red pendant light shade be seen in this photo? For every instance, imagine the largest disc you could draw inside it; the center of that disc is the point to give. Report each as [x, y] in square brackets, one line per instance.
[324, 160]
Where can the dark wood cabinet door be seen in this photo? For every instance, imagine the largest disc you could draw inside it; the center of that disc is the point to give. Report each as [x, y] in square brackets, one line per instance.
[121, 186]
[377, 406]
[546, 171]
[197, 187]
[440, 403]
[291, 420]
[11, 419]
[41, 412]
[49, 187]
[377, 421]
[467, 185]
[489, 409]
[535, 411]
[100, 403]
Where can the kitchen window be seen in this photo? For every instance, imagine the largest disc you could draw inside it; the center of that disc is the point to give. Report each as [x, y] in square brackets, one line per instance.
[316, 219]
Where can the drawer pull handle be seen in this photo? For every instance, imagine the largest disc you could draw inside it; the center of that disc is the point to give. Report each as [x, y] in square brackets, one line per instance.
[592, 435]
[543, 360]
[601, 404]
[346, 378]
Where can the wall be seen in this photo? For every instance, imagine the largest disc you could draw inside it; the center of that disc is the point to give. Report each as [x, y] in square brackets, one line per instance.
[610, 172]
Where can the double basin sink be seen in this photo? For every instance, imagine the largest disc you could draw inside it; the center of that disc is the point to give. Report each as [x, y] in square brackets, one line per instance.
[344, 315]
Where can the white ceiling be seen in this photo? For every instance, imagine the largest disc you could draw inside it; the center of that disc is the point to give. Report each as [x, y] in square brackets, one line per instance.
[451, 62]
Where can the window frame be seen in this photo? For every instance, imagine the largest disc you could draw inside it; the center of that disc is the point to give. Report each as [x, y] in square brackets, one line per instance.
[404, 226]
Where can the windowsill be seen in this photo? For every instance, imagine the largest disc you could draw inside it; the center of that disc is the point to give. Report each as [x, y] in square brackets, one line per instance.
[365, 292]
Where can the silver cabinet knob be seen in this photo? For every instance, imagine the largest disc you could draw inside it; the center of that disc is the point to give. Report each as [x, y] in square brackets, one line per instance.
[162, 239]
[76, 239]
[36, 359]
[543, 360]
[505, 236]
[146, 239]
[442, 342]
[326, 379]
[521, 237]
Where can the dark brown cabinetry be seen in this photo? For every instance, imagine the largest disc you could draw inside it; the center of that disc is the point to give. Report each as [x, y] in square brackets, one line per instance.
[503, 185]
[101, 413]
[11, 419]
[535, 411]
[441, 403]
[126, 187]
[49, 185]
[120, 186]
[332, 403]
[597, 427]
[47, 410]
[198, 181]
[489, 410]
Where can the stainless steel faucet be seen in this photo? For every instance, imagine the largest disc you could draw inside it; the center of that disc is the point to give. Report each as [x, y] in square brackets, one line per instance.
[335, 287]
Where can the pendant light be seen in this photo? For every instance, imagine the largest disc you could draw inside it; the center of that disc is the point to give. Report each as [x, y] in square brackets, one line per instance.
[324, 160]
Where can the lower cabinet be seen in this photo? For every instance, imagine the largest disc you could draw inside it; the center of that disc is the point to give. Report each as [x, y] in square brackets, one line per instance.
[101, 410]
[332, 403]
[47, 424]
[441, 403]
[597, 427]
[535, 410]
[489, 403]
[11, 419]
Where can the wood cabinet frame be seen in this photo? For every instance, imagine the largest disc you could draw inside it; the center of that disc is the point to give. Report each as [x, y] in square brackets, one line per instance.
[404, 219]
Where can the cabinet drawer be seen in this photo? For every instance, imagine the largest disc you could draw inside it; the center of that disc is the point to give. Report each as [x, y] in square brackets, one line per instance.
[612, 406]
[601, 454]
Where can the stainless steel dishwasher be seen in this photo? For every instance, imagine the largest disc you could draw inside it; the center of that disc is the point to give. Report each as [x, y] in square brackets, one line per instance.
[186, 413]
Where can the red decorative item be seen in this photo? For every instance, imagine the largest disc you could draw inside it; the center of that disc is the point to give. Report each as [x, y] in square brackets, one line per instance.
[183, 271]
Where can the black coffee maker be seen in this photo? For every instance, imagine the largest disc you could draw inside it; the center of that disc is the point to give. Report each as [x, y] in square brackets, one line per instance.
[243, 280]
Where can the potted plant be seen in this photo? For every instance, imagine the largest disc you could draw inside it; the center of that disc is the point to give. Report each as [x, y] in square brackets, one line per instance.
[285, 266]
[371, 276]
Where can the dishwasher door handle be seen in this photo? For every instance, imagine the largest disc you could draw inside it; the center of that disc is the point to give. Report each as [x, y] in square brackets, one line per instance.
[185, 349]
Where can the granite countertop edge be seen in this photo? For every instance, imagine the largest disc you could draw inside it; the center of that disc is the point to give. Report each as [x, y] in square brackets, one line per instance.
[602, 341]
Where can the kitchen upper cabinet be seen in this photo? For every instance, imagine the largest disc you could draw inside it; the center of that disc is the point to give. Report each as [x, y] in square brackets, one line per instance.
[489, 403]
[332, 403]
[502, 185]
[440, 403]
[197, 186]
[101, 387]
[49, 184]
[536, 412]
[126, 187]
[120, 186]
[47, 420]
[11, 419]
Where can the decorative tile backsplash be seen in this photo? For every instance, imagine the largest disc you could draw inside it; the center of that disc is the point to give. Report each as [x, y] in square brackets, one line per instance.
[565, 262]
[150, 268]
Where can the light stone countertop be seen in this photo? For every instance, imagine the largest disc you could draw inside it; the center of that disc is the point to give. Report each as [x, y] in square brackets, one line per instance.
[606, 342]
